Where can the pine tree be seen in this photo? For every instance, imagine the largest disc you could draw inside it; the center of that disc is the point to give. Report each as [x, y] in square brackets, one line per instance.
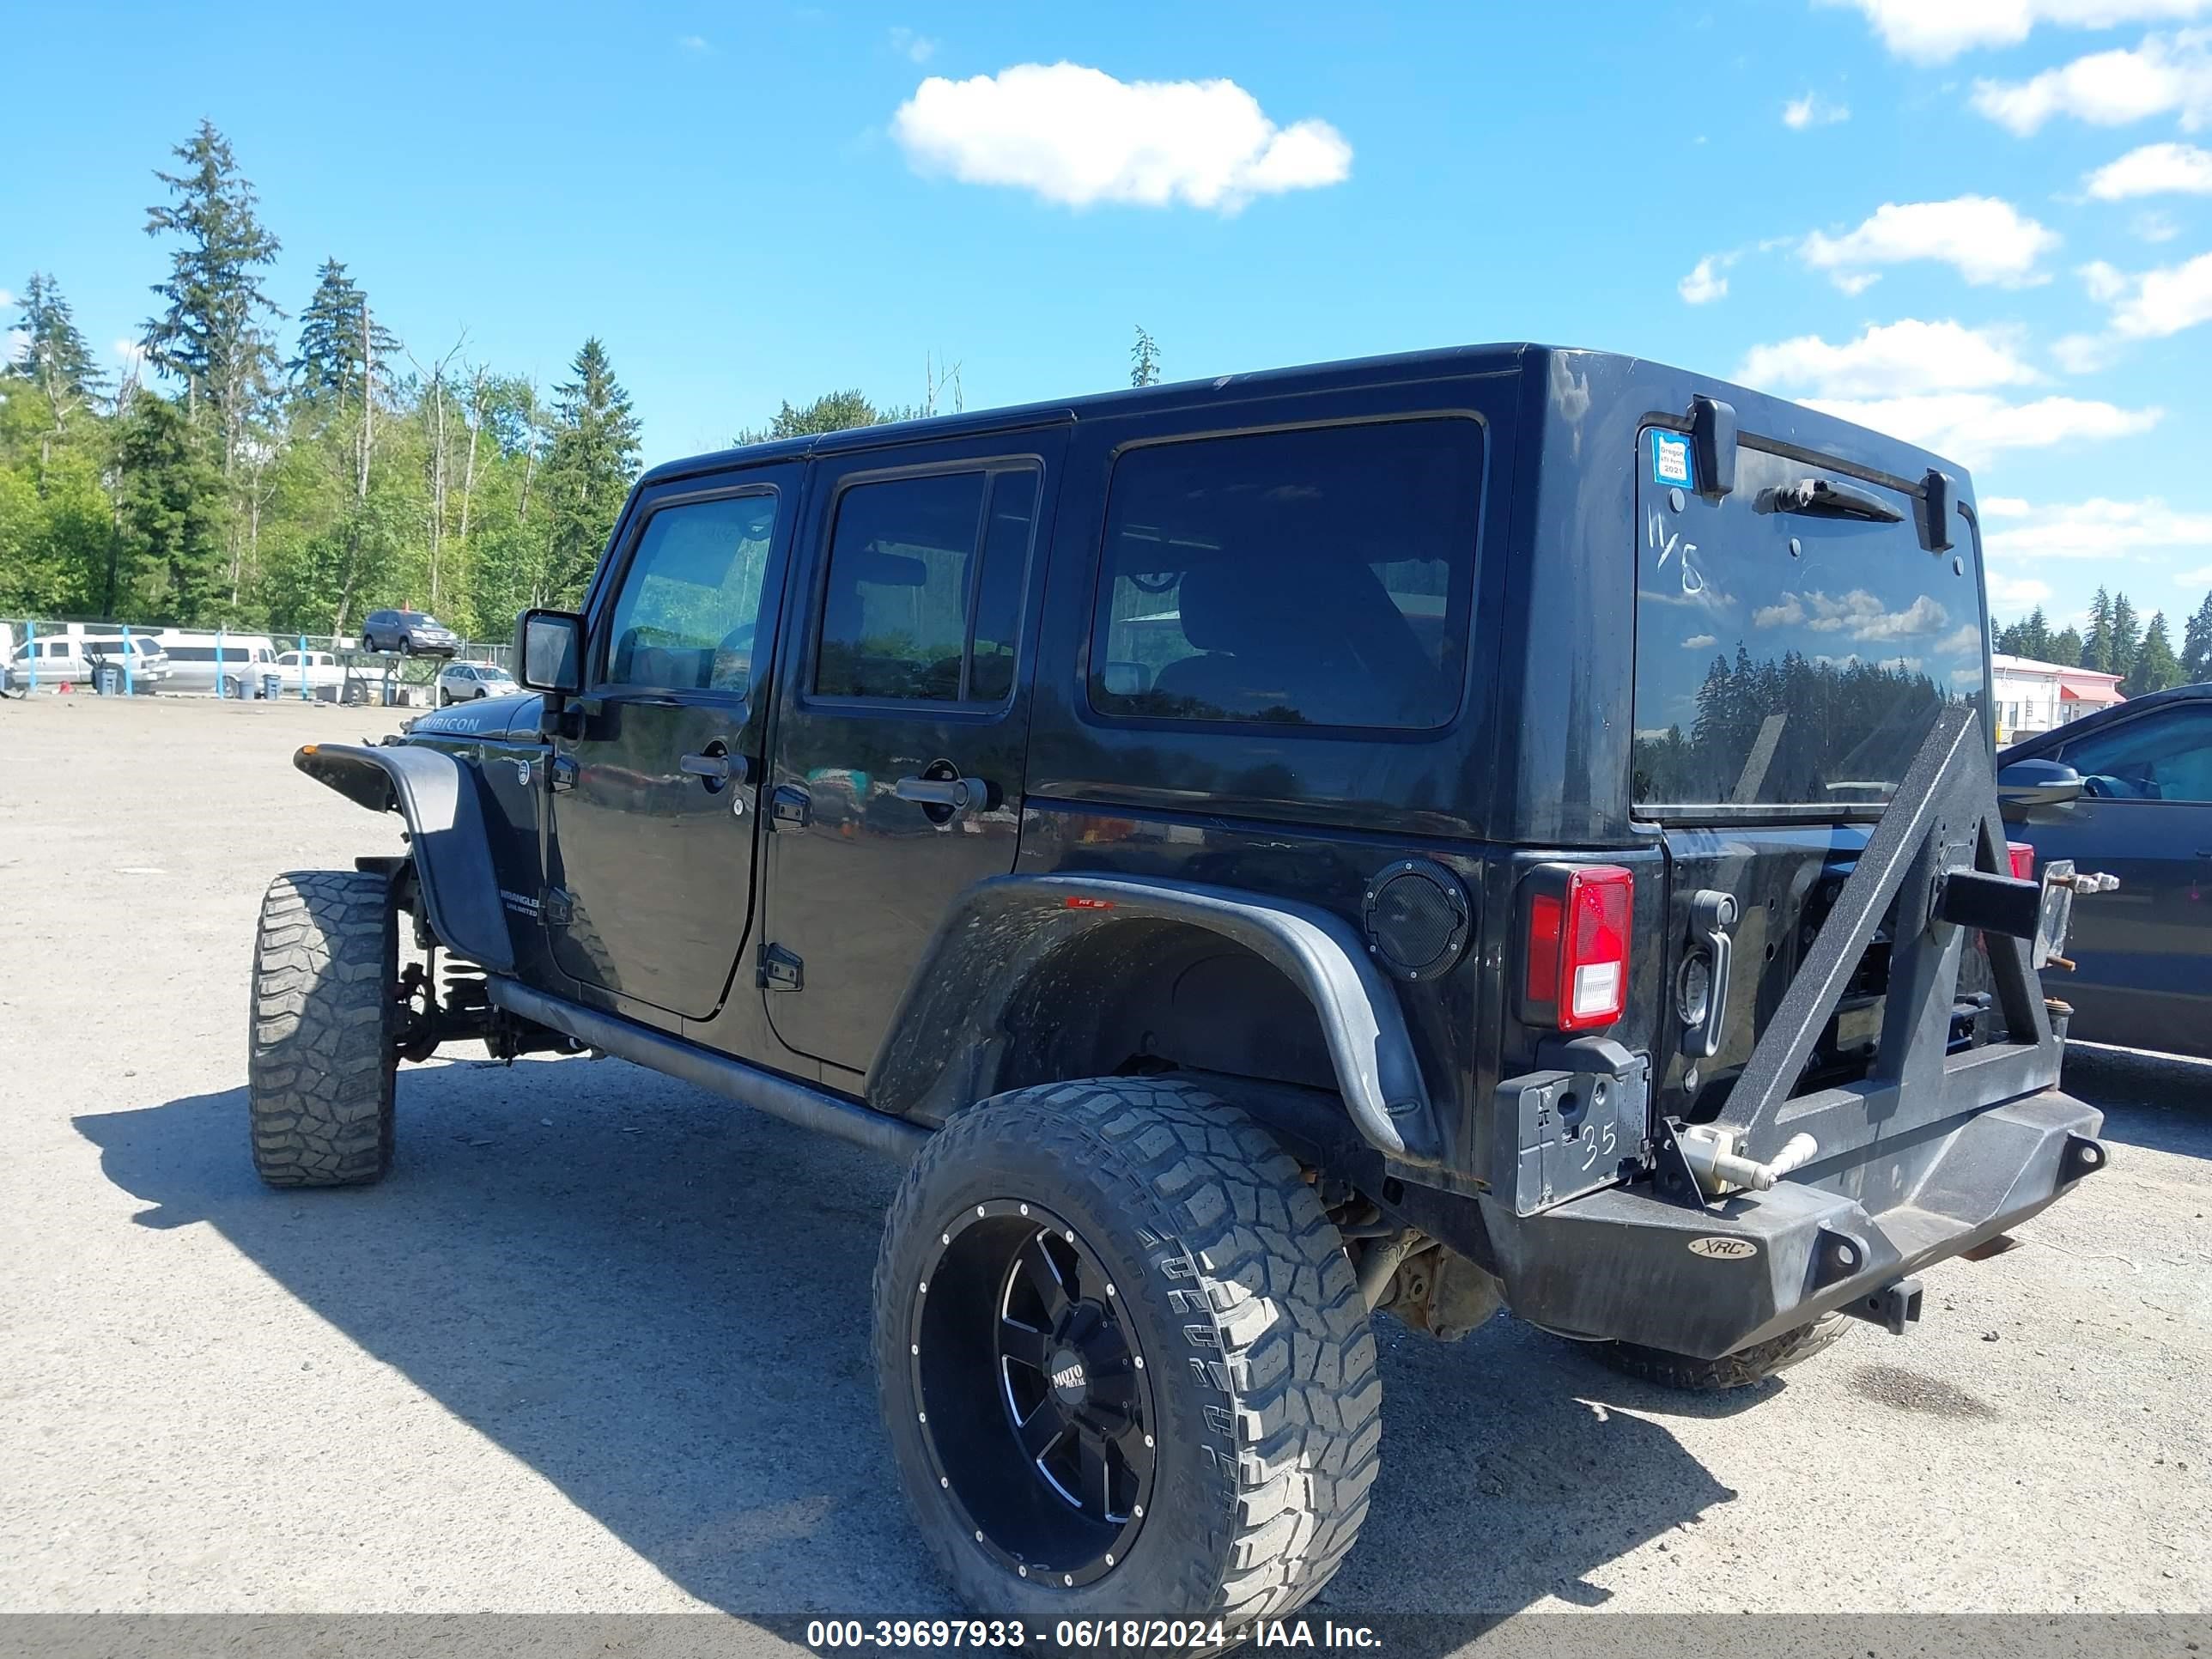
[2127, 637]
[2066, 649]
[55, 359]
[588, 470]
[341, 344]
[2196, 644]
[1145, 360]
[2035, 637]
[2097, 647]
[212, 337]
[2154, 667]
[168, 556]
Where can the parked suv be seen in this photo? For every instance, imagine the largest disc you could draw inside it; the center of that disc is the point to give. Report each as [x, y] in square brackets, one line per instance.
[410, 633]
[1498, 826]
[471, 682]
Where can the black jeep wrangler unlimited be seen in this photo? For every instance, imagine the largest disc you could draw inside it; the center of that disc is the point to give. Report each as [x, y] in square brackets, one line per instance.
[1496, 825]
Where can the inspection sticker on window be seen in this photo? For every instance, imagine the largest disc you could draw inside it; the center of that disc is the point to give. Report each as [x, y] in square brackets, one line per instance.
[1670, 459]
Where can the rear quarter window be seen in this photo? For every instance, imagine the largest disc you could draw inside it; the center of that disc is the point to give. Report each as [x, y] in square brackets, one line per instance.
[1321, 577]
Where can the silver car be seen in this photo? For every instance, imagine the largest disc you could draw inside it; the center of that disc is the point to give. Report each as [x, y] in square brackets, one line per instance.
[465, 682]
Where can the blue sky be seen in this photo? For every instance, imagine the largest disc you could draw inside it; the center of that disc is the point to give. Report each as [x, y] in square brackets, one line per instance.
[1987, 226]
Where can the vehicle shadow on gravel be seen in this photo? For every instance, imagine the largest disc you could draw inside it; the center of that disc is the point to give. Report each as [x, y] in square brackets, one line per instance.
[2159, 1101]
[661, 1305]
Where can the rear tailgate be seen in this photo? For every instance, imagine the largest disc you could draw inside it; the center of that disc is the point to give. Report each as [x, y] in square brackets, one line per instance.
[1796, 640]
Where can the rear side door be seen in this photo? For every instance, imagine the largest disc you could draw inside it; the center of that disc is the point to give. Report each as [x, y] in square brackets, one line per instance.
[902, 739]
[650, 852]
[2143, 956]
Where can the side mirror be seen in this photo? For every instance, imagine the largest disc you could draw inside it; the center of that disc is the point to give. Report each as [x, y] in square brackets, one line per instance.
[2038, 783]
[549, 652]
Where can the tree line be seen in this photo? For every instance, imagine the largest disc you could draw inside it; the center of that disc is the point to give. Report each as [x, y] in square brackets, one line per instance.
[2119, 642]
[250, 469]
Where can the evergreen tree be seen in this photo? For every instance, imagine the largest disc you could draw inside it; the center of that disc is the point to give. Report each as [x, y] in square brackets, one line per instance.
[2035, 637]
[1145, 360]
[2127, 637]
[212, 337]
[2154, 667]
[588, 470]
[2066, 648]
[341, 344]
[2097, 647]
[833, 412]
[55, 359]
[2196, 644]
[168, 558]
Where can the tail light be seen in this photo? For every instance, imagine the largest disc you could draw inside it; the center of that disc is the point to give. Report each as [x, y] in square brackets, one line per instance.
[1577, 947]
[2023, 860]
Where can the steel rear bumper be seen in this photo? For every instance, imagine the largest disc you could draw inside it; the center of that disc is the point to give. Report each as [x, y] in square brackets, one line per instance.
[1631, 1265]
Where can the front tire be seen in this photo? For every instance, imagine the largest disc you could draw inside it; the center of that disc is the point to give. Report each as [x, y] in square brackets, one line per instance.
[1187, 1425]
[322, 1047]
[1744, 1369]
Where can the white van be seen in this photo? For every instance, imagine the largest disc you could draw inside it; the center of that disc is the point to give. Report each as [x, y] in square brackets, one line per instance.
[225, 663]
[70, 659]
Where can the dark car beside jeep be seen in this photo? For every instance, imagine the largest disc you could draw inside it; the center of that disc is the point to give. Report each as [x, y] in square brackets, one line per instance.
[1492, 826]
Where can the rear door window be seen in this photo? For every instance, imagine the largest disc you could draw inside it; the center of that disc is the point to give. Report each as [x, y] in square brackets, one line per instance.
[1317, 577]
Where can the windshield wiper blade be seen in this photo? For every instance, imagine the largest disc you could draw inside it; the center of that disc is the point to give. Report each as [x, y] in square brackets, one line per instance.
[1824, 498]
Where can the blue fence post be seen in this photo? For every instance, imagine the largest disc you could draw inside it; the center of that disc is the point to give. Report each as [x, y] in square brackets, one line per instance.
[303, 668]
[127, 690]
[218, 665]
[31, 650]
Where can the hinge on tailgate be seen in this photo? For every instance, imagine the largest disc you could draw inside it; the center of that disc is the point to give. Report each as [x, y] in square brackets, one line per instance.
[780, 970]
[789, 808]
[559, 909]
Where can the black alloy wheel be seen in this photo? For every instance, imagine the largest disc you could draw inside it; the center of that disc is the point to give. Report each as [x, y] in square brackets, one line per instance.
[1036, 1404]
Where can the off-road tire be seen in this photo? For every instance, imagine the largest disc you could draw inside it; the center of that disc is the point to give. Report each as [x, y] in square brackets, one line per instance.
[1744, 1369]
[321, 1055]
[1267, 1396]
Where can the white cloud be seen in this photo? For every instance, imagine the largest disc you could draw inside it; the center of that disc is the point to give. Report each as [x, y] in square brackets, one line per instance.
[1813, 111]
[2163, 301]
[1077, 136]
[1940, 29]
[2155, 226]
[131, 352]
[2169, 169]
[1970, 427]
[693, 43]
[1705, 283]
[2193, 578]
[1891, 360]
[2167, 73]
[1984, 239]
[1967, 637]
[2003, 507]
[2015, 590]
[1699, 643]
[6, 299]
[2101, 529]
[917, 48]
[1859, 612]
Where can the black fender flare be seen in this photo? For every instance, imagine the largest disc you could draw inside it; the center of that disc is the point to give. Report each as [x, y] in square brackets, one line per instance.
[1004, 929]
[446, 832]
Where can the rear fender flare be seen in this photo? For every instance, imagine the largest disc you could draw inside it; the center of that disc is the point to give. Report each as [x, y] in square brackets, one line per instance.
[1005, 931]
[446, 832]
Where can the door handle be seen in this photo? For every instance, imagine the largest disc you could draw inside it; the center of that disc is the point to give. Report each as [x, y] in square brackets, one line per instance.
[957, 793]
[1712, 914]
[716, 765]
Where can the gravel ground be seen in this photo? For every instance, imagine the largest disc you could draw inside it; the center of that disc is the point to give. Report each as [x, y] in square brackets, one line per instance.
[600, 1343]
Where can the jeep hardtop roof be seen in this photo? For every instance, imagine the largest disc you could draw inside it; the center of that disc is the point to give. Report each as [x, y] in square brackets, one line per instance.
[1567, 373]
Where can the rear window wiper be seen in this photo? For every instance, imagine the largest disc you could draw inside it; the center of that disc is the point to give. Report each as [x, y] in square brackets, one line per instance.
[1824, 498]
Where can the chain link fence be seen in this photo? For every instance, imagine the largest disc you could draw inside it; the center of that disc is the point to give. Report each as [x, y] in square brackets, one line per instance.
[39, 655]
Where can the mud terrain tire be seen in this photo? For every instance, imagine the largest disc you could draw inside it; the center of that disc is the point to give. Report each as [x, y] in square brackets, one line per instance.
[1264, 1396]
[321, 1055]
[1743, 1369]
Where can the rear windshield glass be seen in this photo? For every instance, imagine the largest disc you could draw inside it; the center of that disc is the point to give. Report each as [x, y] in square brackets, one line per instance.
[1788, 658]
[1317, 577]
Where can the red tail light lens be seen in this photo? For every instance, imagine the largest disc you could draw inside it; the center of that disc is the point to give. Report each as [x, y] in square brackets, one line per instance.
[2023, 860]
[1578, 949]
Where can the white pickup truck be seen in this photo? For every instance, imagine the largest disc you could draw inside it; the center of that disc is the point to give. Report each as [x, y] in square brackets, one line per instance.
[321, 672]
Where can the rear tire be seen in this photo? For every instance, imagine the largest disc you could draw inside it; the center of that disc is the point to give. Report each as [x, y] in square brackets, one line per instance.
[1232, 1473]
[1745, 1368]
[322, 1051]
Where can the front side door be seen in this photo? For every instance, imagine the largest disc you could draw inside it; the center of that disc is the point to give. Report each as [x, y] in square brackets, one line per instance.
[902, 739]
[650, 855]
[2143, 956]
